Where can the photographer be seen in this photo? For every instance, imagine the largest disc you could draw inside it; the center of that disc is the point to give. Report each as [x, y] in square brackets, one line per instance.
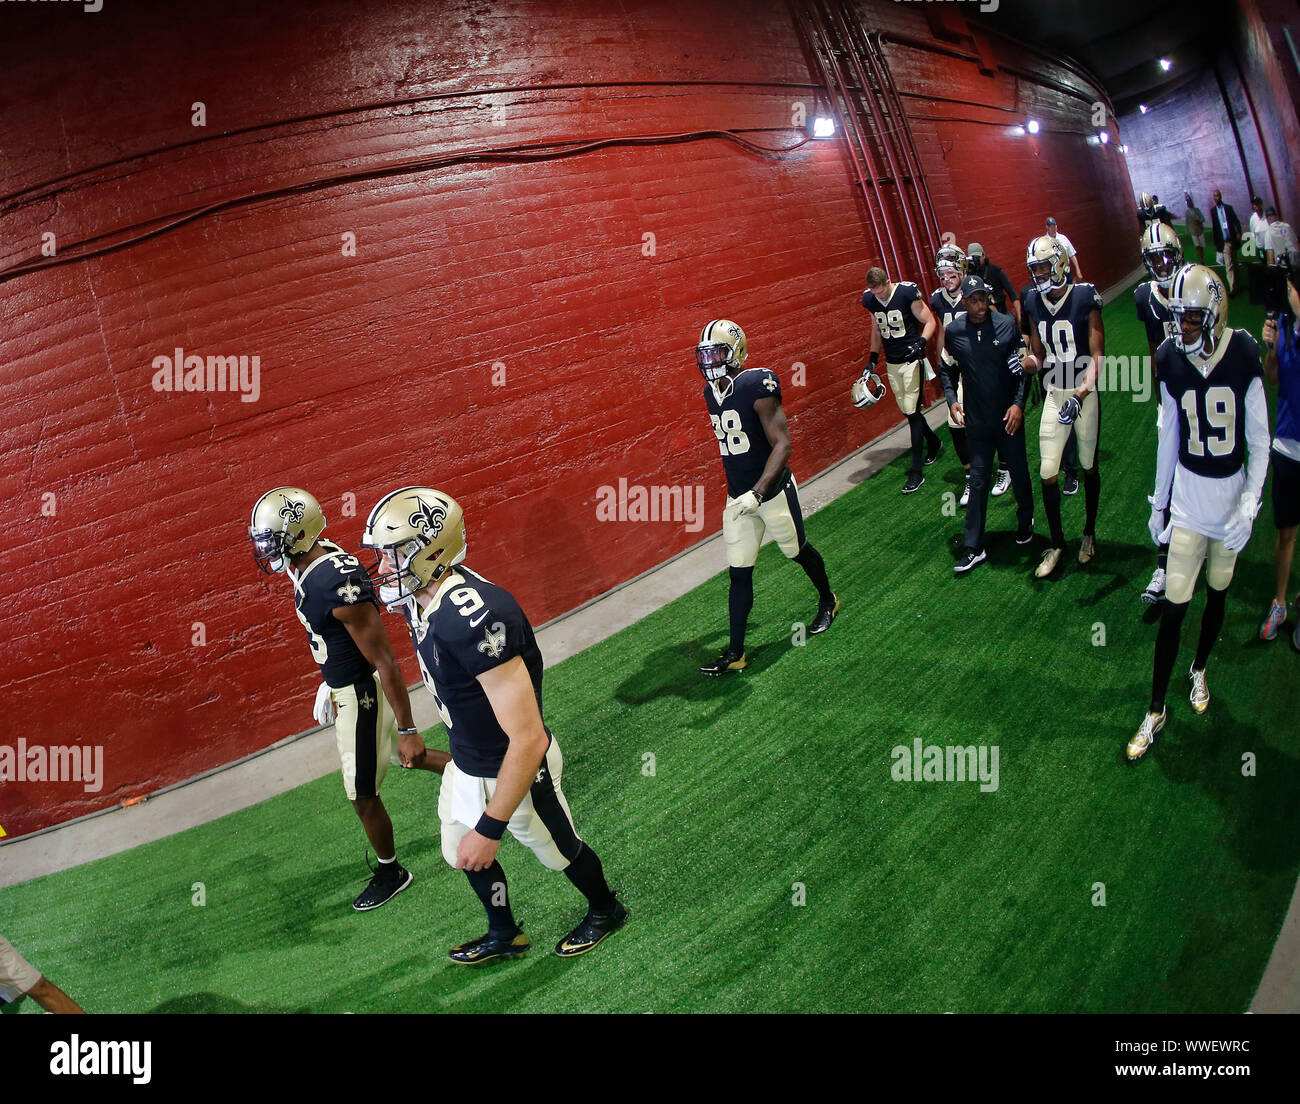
[1281, 339]
[1279, 242]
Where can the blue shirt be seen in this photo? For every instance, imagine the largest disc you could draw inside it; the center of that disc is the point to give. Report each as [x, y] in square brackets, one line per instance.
[1288, 387]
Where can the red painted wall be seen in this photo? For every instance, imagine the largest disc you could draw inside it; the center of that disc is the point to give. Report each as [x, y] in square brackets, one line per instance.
[126, 508]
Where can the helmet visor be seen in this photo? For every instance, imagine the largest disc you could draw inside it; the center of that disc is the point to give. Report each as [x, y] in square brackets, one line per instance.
[1161, 263]
[268, 550]
[712, 360]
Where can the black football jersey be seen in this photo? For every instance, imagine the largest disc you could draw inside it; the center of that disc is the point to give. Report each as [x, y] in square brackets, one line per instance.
[1154, 313]
[337, 579]
[739, 430]
[1063, 330]
[1026, 324]
[1211, 409]
[900, 332]
[473, 626]
[945, 308]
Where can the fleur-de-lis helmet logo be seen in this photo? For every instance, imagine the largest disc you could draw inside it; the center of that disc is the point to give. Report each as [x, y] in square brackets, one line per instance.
[428, 519]
[293, 511]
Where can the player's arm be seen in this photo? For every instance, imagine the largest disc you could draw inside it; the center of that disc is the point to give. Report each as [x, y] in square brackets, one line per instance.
[53, 999]
[1270, 338]
[1096, 351]
[1037, 354]
[1166, 449]
[772, 416]
[1258, 439]
[923, 314]
[949, 373]
[510, 690]
[367, 630]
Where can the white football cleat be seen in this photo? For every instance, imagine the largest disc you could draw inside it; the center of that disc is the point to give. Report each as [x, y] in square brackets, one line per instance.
[1155, 590]
[1003, 483]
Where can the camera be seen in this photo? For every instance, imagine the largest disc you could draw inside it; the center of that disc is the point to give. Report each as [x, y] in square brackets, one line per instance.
[1268, 285]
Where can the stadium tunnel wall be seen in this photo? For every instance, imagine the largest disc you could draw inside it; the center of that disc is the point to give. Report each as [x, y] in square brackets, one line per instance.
[1233, 127]
[505, 330]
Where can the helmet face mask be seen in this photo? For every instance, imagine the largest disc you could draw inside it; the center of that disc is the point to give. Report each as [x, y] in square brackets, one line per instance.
[712, 360]
[868, 390]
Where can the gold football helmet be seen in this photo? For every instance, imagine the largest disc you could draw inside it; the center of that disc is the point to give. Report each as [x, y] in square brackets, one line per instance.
[721, 346]
[1194, 289]
[421, 532]
[949, 257]
[285, 522]
[1048, 265]
[1162, 253]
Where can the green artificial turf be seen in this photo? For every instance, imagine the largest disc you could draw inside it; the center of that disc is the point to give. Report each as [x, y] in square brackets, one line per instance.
[916, 896]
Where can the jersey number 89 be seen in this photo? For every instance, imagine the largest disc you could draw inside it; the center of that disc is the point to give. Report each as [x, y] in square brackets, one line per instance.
[732, 440]
[891, 324]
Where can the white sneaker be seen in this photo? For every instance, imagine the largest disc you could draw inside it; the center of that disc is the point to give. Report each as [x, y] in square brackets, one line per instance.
[1002, 483]
[1200, 695]
[1155, 588]
[965, 494]
[1145, 736]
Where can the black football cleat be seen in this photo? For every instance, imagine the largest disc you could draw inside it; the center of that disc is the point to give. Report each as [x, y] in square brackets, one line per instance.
[825, 615]
[969, 558]
[913, 484]
[932, 454]
[1025, 533]
[489, 947]
[594, 927]
[1070, 484]
[389, 880]
[729, 661]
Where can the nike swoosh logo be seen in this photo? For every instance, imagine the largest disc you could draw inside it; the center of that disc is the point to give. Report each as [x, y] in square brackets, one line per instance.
[474, 622]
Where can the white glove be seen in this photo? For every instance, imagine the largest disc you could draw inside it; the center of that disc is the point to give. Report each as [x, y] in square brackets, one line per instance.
[748, 503]
[1241, 522]
[324, 708]
[1156, 523]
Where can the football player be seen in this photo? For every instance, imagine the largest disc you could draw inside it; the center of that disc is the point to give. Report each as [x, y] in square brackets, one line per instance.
[1064, 321]
[753, 436]
[1162, 253]
[480, 661]
[336, 605]
[1214, 414]
[945, 305]
[904, 325]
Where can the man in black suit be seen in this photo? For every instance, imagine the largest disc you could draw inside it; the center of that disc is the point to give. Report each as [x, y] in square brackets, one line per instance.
[1227, 233]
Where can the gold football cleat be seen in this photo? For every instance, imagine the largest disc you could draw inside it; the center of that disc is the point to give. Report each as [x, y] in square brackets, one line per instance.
[1051, 558]
[1087, 548]
[1200, 695]
[1145, 736]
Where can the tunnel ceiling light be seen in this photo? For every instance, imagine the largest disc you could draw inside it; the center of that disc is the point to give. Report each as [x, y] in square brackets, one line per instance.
[1032, 126]
[1166, 64]
[1142, 108]
[1103, 137]
[823, 127]
[1124, 148]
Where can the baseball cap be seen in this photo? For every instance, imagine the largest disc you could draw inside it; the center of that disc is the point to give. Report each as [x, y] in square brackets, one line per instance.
[975, 249]
[1051, 221]
[1270, 212]
[973, 285]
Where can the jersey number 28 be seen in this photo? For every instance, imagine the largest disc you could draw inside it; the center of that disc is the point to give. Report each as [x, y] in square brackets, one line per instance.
[732, 440]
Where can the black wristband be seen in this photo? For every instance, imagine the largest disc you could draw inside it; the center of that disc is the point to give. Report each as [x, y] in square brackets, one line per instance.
[875, 359]
[490, 828]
